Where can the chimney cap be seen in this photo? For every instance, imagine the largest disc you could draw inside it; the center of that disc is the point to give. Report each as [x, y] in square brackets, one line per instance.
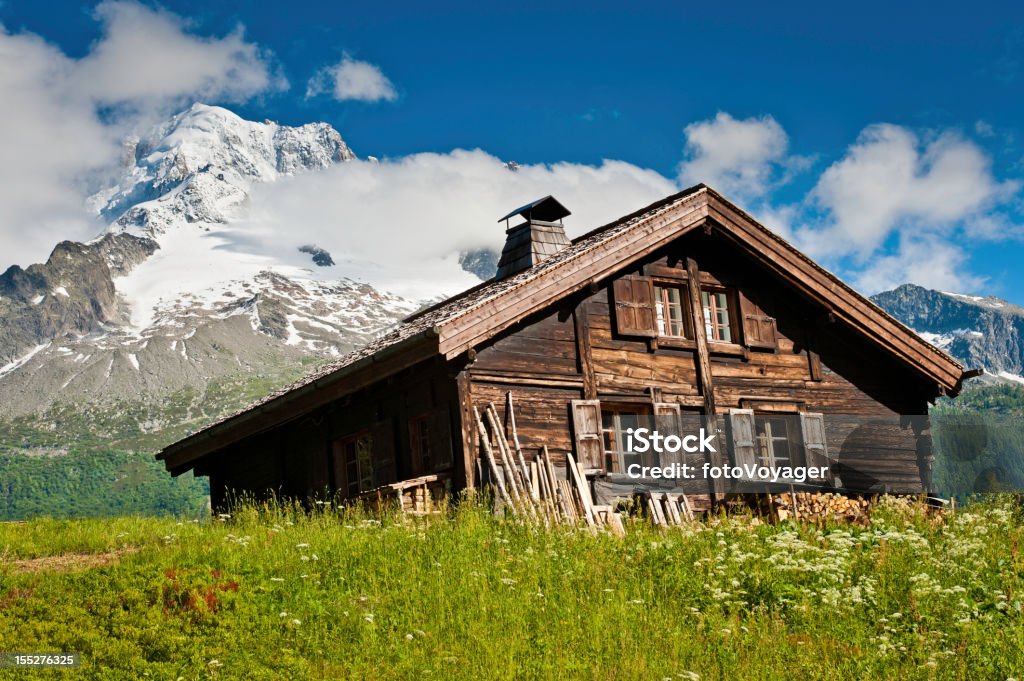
[547, 209]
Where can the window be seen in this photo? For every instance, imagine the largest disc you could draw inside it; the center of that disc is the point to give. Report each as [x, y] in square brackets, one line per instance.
[353, 464]
[717, 315]
[670, 308]
[778, 440]
[615, 422]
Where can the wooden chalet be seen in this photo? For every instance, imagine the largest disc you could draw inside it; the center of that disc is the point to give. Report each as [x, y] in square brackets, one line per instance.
[685, 307]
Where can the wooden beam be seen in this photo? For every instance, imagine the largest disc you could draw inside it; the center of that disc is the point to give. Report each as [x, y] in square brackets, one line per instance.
[704, 380]
[584, 351]
[468, 426]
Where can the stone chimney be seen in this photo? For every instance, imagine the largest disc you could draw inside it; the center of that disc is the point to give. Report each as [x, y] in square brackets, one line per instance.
[530, 242]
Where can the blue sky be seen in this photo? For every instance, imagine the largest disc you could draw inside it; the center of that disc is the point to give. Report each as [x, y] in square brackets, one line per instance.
[800, 111]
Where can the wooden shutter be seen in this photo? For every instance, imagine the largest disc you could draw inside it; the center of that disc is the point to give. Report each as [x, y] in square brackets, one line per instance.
[383, 453]
[668, 421]
[812, 426]
[634, 306]
[743, 436]
[759, 329]
[586, 421]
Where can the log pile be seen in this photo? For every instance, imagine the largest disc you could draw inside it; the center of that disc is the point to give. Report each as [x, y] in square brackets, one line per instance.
[820, 507]
[531, 490]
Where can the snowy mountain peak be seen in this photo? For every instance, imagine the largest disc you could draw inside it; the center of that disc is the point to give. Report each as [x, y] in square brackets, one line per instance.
[200, 165]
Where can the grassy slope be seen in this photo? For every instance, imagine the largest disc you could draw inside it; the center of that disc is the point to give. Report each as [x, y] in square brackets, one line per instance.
[281, 595]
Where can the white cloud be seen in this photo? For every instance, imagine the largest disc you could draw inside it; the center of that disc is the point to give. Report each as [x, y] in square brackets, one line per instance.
[892, 180]
[743, 158]
[148, 55]
[352, 79]
[144, 64]
[394, 222]
[928, 261]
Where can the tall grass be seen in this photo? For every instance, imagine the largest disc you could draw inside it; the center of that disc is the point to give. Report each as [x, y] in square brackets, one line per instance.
[275, 592]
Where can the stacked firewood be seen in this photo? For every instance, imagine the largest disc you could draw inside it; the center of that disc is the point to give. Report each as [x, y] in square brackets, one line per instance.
[821, 507]
[531, 490]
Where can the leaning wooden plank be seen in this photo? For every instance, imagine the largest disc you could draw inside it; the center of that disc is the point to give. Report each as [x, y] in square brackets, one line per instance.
[687, 509]
[556, 489]
[585, 490]
[519, 482]
[574, 475]
[652, 510]
[567, 501]
[515, 433]
[672, 509]
[509, 469]
[489, 454]
[654, 504]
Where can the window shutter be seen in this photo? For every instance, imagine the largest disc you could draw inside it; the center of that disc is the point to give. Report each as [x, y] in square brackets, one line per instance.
[383, 453]
[812, 426]
[668, 417]
[668, 421]
[586, 420]
[759, 329]
[743, 436]
[634, 306]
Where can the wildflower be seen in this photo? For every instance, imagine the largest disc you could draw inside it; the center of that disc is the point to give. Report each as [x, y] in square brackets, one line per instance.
[316, 557]
[304, 558]
[215, 663]
[690, 676]
[277, 579]
[368, 617]
[296, 622]
[301, 546]
[409, 637]
[283, 614]
[636, 601]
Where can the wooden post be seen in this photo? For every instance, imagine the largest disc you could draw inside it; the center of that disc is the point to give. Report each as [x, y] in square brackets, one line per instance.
[584, 352]
[468, 472]
[704, 380]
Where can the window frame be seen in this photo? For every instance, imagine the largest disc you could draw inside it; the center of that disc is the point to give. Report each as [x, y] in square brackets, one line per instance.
[711, 326]
[661, 288]
[353, 487]
[614, 459]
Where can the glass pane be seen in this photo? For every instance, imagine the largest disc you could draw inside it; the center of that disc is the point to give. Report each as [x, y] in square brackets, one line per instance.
[705, 301]
[675, 309]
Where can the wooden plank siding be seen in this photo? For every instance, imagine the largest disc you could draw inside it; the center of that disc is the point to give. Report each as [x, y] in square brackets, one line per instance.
[295, 460]
[544, 361]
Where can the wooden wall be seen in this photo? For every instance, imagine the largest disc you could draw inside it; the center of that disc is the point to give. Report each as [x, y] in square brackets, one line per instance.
[818, 365]
[295, 460]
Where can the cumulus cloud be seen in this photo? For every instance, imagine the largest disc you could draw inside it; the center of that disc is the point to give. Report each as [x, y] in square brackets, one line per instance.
[893, 179]
[401, 222]
[745, 158]
[354, 80]
[928, 261]
[145, 64]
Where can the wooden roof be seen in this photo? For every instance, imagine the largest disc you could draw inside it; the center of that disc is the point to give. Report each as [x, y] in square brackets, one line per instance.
[467, 320]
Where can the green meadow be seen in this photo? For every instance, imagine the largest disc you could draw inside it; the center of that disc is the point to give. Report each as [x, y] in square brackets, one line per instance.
[273, 592]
